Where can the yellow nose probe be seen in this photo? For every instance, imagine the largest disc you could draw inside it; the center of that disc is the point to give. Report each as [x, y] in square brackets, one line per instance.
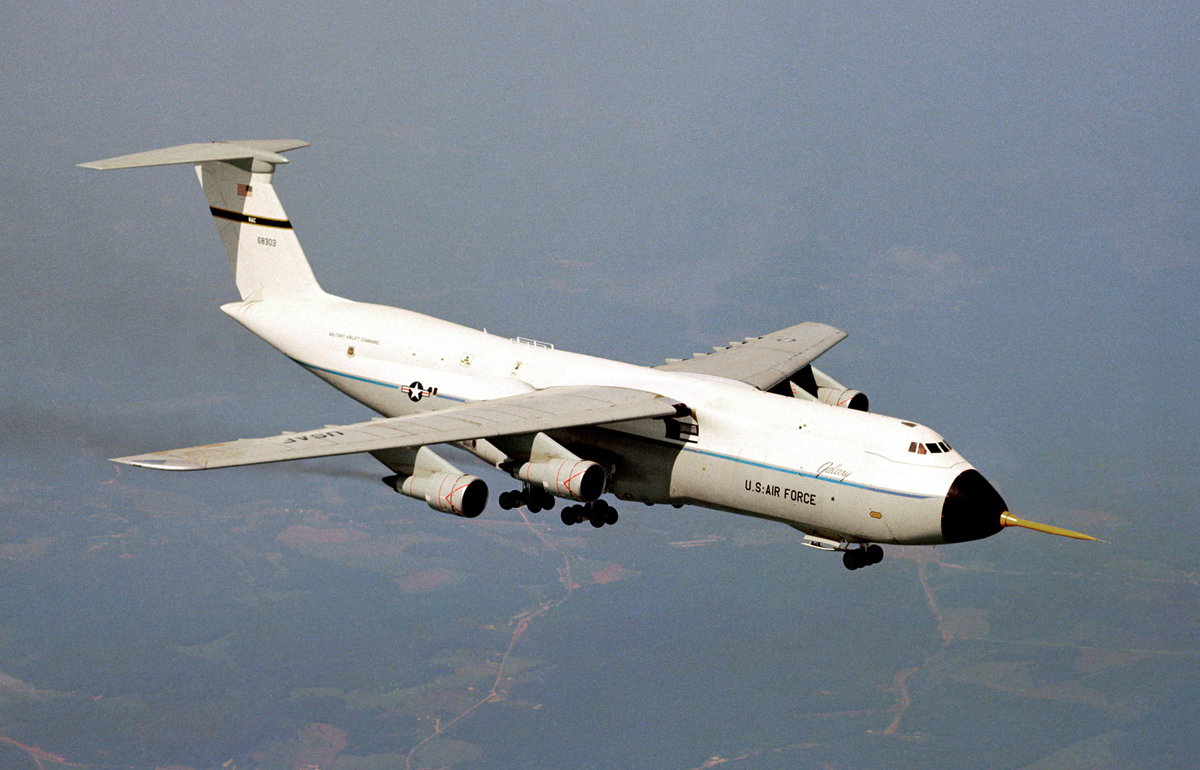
[1008, 520]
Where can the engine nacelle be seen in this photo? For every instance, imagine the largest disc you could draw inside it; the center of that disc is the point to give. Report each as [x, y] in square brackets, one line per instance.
[426, 476]
[812, 384]
[844, 397]
[458, 493]
[573, 479]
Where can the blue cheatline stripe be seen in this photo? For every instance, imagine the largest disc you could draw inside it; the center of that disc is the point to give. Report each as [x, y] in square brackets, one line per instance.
[336, 373]
[793, 472]
[347, 376]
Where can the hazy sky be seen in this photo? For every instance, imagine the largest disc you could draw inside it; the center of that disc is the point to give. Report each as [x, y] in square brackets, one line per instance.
[1000, 202]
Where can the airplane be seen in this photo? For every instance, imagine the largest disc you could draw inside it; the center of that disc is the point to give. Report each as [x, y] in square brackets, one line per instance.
[752, 428]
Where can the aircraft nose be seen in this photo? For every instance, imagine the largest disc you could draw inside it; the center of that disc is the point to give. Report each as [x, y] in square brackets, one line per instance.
[972, 509]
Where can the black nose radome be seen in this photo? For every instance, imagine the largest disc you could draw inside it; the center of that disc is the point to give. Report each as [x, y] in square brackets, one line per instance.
[972, 509]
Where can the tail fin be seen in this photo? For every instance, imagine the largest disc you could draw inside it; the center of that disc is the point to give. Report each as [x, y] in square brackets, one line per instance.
[263, 251]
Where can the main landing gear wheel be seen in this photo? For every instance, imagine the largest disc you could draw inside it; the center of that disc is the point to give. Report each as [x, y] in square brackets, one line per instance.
[534, 498]
[862, 557]
[597, 514]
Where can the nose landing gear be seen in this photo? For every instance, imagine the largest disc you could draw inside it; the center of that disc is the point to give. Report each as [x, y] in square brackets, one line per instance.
[862, 557]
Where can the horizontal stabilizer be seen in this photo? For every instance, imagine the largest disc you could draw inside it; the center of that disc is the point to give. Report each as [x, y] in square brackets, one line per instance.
[266, 150]
[541, 410]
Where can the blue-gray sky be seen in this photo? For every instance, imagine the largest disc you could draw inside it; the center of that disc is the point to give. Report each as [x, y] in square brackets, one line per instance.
[998, 201]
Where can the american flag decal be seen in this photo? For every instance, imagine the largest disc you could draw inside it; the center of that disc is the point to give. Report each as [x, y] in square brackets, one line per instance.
[245, 190]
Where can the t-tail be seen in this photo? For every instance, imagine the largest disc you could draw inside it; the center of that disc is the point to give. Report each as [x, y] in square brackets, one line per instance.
[263, 251]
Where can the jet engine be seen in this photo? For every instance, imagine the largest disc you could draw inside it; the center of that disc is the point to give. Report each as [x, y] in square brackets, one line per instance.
[845, 397]
[562, 473]
[812, 384]
[575, 479]
[460, 494]
[441, 485]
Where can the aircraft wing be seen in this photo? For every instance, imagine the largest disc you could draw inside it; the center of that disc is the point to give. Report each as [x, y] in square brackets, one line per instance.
[542, 410]
[764, 361]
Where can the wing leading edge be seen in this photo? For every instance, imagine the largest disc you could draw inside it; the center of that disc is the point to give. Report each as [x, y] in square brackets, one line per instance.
[542, 410]
[764, 361]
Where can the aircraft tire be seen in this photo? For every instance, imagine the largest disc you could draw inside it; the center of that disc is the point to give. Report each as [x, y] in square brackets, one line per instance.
[850, 560]
[874, 554]
[610, 515]
[547, 501]
[568, 515]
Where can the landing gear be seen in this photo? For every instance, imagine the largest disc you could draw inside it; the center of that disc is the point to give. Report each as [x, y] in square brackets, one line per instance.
[534, 498]
[597, 514]
[862, 557]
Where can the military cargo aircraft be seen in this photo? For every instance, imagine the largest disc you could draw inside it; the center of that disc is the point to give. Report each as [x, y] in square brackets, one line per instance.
[751, 428]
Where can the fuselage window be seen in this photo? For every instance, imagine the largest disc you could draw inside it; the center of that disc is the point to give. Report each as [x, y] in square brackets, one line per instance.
[935, 449]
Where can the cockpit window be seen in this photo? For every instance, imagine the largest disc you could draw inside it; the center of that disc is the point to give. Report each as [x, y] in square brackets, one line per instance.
[933, 449]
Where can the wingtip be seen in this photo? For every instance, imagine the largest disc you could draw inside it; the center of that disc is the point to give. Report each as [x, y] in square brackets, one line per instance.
[159, 463]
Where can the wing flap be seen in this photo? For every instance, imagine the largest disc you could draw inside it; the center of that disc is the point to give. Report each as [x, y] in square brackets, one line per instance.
[541, 410]
[767, 360]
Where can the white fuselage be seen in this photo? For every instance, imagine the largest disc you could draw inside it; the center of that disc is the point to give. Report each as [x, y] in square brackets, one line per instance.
[836, 474]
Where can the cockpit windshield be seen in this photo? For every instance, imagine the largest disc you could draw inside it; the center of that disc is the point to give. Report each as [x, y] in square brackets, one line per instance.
[917, 447]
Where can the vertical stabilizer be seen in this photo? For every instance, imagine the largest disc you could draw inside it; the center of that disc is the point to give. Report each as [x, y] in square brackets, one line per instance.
[262, 247]
[263, 251]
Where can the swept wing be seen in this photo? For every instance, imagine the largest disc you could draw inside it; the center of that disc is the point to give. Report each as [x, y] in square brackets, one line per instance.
[548, 409]
[764, 361]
